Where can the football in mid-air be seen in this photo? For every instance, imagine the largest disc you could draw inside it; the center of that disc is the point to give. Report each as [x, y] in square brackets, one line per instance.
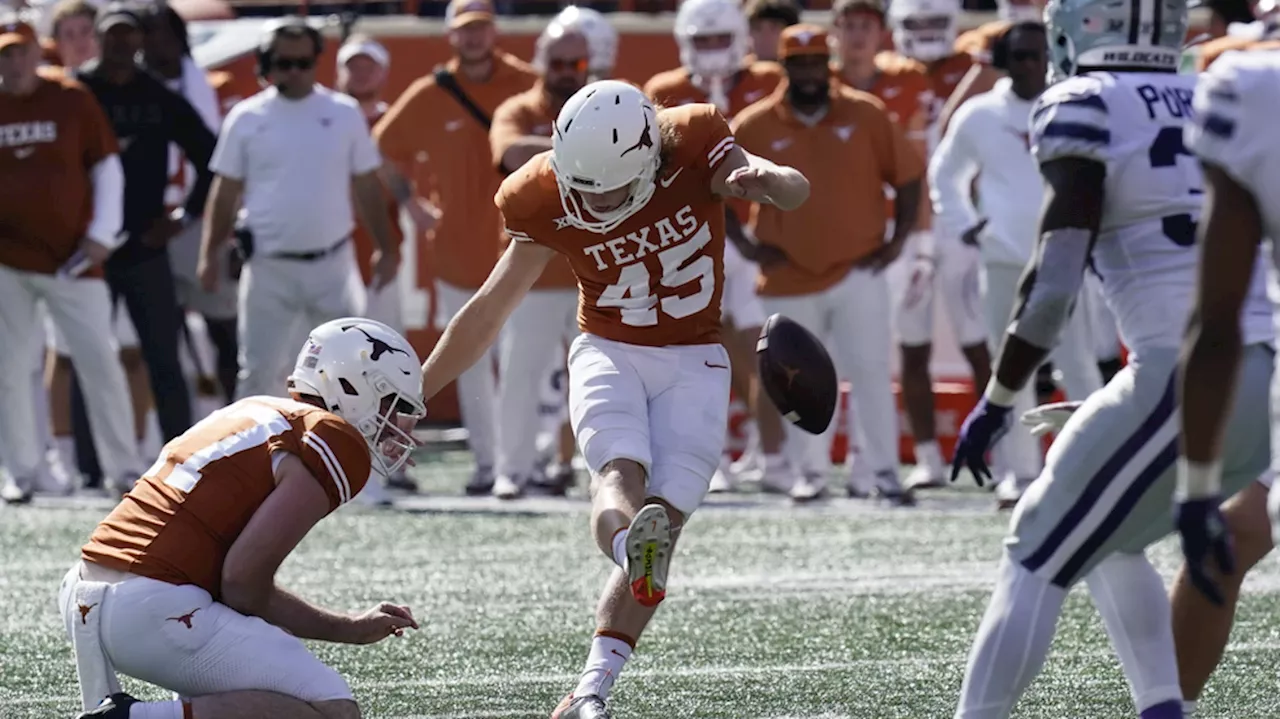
[797, 374]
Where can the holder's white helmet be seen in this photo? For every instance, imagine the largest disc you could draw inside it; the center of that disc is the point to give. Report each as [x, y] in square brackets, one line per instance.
[924, 30]
[602, 38]
[699, 18]
[369, 375]
[606, 138]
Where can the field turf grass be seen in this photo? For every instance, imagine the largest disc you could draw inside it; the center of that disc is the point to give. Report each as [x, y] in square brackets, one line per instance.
[841, 610]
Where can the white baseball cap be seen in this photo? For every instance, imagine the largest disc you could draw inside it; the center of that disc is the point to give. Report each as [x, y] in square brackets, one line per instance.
[370, 48]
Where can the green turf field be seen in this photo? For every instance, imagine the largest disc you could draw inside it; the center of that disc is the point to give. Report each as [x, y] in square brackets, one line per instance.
[843, 610]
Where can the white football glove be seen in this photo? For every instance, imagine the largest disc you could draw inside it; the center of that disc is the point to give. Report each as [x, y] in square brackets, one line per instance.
[1050, 417]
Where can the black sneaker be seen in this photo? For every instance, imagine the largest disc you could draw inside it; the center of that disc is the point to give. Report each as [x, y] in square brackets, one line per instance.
[481, 483]
[115, 706]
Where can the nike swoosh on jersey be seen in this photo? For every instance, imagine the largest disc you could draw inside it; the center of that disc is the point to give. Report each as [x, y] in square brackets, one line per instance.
[780, 144]
[666, 181]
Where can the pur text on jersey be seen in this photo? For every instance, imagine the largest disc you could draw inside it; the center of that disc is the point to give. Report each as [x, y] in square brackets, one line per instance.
[622, 253]
[1176, 100]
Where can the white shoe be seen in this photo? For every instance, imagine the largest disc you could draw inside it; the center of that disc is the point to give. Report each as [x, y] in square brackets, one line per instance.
[748, 463]
[723, 480]
[508, 487]
[57, 480]
[1009, 491]
[17, 491]
[926, 477]
[862, 481]
[649, 554]
[774, 476]
[810, 486]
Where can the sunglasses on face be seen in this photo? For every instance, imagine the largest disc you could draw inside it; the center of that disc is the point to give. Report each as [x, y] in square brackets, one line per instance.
[557, 64]
[286, 64]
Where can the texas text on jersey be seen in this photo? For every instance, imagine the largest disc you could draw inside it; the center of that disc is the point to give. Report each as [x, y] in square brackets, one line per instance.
[657, 279]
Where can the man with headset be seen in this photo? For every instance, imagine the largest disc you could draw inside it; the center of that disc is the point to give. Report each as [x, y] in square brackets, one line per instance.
[299, 154]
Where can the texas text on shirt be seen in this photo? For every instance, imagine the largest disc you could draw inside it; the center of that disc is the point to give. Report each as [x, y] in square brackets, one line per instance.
[436, 143]
[147, 118]
[60, 126]
[296, 159]
[859, 150]
[755, 82]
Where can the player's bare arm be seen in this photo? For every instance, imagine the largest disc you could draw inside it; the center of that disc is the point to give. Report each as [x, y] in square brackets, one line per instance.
[1229, 236]
[248, 573]
[906, 213]
[424, 214]
[219, 221]
[754, 178]
[370, 202]
[475, 328]
[523, 150]
[740, 236]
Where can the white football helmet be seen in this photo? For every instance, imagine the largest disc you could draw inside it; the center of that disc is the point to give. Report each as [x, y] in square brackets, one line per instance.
[369, 375]
[1021, 11]
[606, 138]
[696, 18]
[924, 30]
[601, 36]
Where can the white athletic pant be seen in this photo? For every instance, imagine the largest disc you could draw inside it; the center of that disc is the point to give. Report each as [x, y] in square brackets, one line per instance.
[281, 301]
[82, 309]
[477, 386]
[537, 334]
[384, 306]
[855, 315]
[1019, 452]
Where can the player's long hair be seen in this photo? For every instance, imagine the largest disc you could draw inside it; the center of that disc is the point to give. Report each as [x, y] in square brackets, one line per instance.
[668, 139]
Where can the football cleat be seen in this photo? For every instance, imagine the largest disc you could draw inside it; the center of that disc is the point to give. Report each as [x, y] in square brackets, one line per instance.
[116, 706]
[18, 491]
[889, 488]
[481, 482]
[649, 555]
[508, 487]
[589, 707]
[810, 487]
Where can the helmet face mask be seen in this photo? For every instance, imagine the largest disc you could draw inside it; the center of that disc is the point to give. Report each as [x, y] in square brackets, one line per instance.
[367, 374]
[606, 139]
[713, 37]
[1093, 34]
[924, 30]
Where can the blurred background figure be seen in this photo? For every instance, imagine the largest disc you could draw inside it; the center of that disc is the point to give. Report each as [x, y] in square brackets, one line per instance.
[546, 320]
[74, 41]
[766, 20]
[52, 254]
[436, 136]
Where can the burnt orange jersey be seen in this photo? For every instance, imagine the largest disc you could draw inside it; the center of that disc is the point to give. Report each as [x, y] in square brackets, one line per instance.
[49, 143]
[1217, 47]
[946, 74]
[977, 43]
[529, 113]
[849, 155]
[905, 88]
[675, 87]
[657, 279]
[182, 517]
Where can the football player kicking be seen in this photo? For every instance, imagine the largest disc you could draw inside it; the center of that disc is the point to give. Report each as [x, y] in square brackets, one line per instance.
[1233, 134]
[176, 586]
[634, 198]
[1122, 195]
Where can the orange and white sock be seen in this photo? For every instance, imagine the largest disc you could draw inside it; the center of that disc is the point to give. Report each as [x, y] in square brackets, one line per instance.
[609, 653]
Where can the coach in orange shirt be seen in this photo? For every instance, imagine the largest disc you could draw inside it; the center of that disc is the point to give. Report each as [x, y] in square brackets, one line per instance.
[546, 320]
[430, 139]
[827, 274]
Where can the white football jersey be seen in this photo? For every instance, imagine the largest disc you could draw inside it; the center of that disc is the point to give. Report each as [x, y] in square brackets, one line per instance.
[1145, 252]
[1237, 103]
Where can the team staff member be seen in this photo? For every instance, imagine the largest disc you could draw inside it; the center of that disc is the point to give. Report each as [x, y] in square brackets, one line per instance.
[904, 86]
[1002, 227]
[829, 275]
[430, 140]
[147, 119]
[72, 33]
[56, 138]
[767, 19]
[546, 320]
[297, 152]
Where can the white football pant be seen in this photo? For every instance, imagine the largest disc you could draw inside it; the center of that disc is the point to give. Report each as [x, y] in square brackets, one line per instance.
[536, 335]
